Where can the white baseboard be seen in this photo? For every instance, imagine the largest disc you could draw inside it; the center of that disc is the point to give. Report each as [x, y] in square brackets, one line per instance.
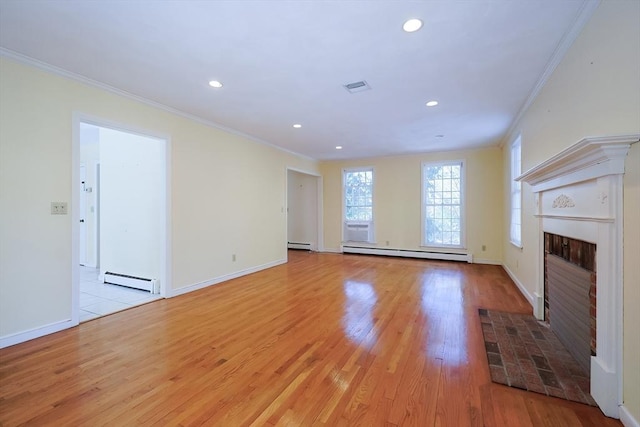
[20, 337]
[520, 286]
[220, 279]
[303, 246]
[538, 306]
[627, 419]
[332, 250]
[486, 261]
[604, 385]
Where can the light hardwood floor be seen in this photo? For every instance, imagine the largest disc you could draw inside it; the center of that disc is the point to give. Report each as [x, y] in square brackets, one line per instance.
[326, 339]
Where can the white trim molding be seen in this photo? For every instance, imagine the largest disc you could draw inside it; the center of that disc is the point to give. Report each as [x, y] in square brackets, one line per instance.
[579, 195]
[587, 159]
[486, 261]
[224, 278]
[20, 337]
[523, 290]
[583, 16]
[331, 250]
[27, 60]
[627, 419]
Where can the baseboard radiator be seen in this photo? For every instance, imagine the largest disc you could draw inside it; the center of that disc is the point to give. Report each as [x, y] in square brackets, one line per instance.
[303, 246]
[446, 256]
[149, 285]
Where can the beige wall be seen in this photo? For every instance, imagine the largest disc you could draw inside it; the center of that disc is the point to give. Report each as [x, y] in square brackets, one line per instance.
[397, 199]
[595, 91]
[228, 193]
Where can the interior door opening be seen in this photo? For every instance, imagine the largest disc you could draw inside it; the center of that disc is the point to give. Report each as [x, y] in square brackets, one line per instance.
[122, 238]
[304, 203]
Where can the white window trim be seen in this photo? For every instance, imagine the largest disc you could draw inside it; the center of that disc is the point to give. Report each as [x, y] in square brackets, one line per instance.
[371, 222]
[517, 142]
[463, 204]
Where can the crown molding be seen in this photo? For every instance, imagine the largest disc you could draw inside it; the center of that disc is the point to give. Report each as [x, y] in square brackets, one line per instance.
[27, 60]
[583, 16]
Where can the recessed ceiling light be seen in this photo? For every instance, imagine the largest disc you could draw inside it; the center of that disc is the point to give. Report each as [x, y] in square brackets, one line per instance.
[297, 126]
[338, 147]
[215, 83]
[412, 25]
[432, 103]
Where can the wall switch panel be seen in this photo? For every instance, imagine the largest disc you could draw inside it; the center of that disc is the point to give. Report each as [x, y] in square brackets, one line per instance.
[58, 208]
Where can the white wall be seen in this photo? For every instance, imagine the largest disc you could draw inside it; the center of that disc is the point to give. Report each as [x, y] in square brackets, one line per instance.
[227, 195]
[302, 208]
[132, 204]
[594, 91]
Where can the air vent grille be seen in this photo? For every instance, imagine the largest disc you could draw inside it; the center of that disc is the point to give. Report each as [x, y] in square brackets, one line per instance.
[357, 86]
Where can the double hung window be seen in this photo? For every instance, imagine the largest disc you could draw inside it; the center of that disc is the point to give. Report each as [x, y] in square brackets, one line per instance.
[443, 204]
[515, 233]
[358, 205]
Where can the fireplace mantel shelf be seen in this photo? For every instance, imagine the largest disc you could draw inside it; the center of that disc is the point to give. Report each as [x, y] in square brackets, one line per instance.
[577, 218]
[587, 159]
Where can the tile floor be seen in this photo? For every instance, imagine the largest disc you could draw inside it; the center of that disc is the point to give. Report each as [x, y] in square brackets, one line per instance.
[99, 299]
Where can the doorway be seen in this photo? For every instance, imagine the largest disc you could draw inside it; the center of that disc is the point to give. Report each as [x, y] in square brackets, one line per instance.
[121, 220]
[304, 210]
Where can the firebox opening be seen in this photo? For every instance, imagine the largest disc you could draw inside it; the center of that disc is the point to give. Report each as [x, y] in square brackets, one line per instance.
[570, 294]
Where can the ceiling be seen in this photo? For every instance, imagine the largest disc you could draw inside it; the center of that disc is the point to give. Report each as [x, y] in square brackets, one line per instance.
[285, 62]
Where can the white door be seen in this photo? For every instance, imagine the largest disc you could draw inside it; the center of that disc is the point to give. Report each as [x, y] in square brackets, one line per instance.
[83, 216]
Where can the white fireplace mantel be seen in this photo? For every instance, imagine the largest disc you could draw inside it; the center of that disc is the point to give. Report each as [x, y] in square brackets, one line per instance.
[579, 195]
[587, 159]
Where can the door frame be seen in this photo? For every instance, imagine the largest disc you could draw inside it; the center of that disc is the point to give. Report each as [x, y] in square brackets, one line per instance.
[82, 210]
[166, 260]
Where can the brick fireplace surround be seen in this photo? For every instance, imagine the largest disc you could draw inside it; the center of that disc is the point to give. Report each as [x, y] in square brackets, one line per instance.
[578, 195]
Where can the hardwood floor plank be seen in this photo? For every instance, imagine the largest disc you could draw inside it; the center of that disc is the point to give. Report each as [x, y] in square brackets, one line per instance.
[324, 340]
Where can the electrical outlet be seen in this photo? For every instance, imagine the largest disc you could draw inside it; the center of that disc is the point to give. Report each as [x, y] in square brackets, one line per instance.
[58, 208]
[387, 243]
[484, 248]
[233, 257]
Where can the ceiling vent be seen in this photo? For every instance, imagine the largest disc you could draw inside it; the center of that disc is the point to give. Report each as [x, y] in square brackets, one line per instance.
[357, 86]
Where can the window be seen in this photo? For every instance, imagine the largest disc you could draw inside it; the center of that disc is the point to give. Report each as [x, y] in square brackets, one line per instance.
[442, 204]
[516, 194]
[358, 205]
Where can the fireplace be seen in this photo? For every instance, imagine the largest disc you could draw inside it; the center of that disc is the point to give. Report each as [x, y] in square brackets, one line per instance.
[578, 196]
[570, 295]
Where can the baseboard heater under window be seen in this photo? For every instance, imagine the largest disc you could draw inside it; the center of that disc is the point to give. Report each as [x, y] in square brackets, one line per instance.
[150, 285]
[447, 256]
[303, 246]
